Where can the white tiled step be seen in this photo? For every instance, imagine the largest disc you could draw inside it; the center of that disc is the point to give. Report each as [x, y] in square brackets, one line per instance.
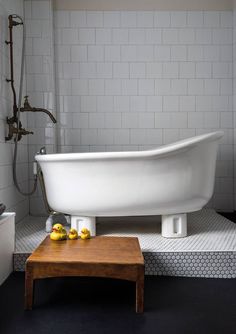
[208, 251]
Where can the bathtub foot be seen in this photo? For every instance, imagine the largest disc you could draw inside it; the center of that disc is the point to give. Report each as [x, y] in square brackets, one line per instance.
[174, 226]
[79, 222]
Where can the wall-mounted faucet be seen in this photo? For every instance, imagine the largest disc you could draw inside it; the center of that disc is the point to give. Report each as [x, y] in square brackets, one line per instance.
[27, 107]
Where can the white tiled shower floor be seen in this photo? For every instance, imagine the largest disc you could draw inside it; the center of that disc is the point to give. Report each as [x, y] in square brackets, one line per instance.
[207, 232]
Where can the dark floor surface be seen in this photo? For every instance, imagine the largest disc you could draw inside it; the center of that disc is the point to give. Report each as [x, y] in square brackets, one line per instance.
[105, 306]
[229, 215]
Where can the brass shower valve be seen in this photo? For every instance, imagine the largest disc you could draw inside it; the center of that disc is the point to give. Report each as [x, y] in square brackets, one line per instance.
[14, 130]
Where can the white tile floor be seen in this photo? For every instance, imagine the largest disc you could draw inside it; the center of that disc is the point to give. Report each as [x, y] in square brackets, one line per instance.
[209, 250]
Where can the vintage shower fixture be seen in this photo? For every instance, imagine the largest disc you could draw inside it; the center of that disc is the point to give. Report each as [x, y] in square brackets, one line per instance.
[15, 129]
[14, 123]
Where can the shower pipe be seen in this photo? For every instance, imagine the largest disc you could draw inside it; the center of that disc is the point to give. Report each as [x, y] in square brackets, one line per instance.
[15, 126]
[12, 23]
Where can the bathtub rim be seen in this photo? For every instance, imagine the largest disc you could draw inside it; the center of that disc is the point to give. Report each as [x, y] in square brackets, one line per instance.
[160, 151]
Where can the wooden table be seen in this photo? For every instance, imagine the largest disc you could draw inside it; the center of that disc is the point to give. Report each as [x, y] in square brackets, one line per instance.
[113, 257]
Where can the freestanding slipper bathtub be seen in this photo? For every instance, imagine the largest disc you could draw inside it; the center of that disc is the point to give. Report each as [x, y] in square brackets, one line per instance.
[169, 181]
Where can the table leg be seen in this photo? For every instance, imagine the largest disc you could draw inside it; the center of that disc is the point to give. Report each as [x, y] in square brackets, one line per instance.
[140, 292]
[29, 289]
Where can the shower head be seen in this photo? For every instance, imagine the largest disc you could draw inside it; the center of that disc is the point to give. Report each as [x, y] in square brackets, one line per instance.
[13, 23]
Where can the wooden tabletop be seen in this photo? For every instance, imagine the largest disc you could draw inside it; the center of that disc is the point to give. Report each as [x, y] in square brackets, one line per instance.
[119, 250]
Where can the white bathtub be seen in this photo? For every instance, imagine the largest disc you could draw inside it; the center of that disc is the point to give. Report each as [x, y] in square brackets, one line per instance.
[169, 181]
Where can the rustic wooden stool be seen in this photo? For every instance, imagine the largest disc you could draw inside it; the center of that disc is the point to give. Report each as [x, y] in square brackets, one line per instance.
[113, 257]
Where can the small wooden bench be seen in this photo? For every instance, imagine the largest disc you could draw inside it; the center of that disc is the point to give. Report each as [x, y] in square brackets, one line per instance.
[113, 257]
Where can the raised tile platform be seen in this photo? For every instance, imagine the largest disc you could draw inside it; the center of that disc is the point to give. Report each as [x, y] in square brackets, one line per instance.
[208, 251]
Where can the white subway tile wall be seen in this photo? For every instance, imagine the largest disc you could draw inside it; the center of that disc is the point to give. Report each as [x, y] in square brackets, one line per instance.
[13, 200]
[139, 79]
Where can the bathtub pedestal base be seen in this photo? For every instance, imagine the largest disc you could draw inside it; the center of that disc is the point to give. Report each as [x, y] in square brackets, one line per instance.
[78, 223]
[174, 226]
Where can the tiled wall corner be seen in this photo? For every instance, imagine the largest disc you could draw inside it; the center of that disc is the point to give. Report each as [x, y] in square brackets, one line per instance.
[40, 83]
[234, 97]
[13, 200]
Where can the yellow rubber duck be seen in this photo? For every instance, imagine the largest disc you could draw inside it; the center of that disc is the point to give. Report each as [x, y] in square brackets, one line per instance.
[58, 232]
[85, 233]
[73, 234]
